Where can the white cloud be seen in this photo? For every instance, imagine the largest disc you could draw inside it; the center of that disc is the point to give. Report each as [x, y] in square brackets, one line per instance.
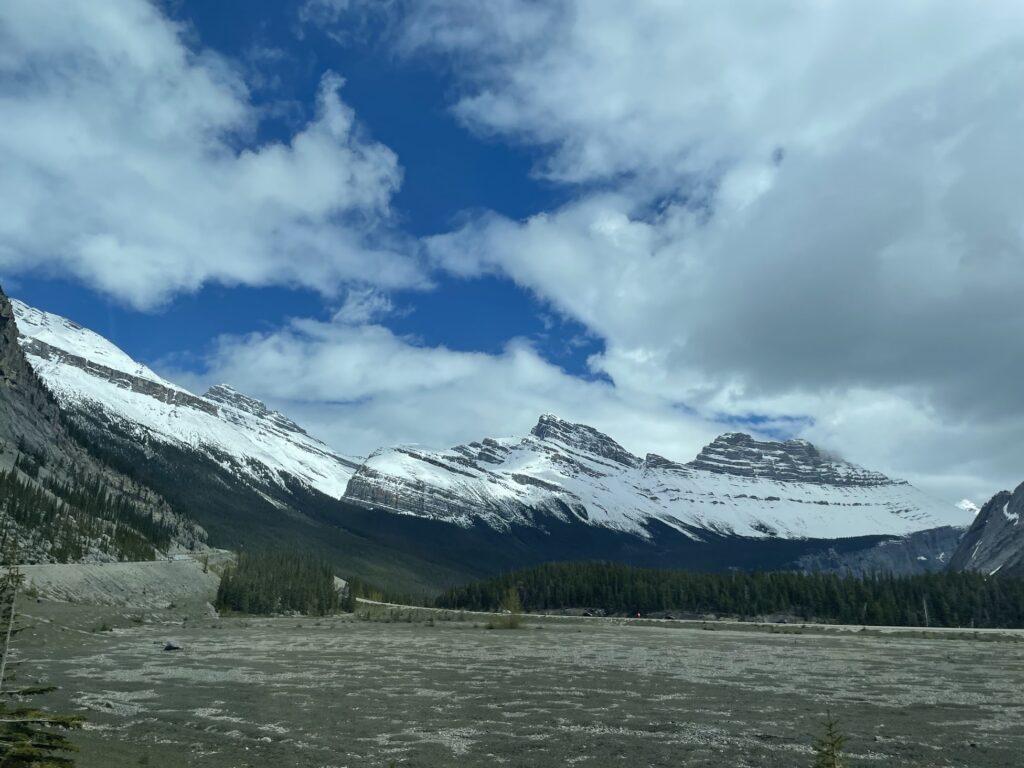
[662, 88]
[362, 387]
[798, 208]
[793, 208]
[129, 162]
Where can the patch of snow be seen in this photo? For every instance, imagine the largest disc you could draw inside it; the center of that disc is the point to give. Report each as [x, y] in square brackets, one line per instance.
[1013, 517]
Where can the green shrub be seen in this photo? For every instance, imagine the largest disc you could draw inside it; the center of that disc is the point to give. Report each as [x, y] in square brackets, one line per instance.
[828, 750]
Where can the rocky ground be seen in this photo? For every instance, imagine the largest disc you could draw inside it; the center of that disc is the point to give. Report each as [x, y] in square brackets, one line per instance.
[420, 688]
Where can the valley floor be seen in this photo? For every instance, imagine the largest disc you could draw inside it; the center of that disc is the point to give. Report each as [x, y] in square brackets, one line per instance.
[449, 692]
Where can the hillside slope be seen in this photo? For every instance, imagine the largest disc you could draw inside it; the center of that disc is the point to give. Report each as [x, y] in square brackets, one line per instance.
[57, 501]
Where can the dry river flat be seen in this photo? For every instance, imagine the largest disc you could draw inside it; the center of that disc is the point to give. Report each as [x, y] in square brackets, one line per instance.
[416, 689]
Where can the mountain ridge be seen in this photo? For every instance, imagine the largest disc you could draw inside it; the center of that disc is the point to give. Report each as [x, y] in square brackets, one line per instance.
[425, 517]
[574, 471]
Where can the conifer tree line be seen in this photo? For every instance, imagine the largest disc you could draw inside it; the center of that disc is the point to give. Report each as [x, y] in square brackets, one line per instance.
[936, 600]
[76, 516]
[278, 581]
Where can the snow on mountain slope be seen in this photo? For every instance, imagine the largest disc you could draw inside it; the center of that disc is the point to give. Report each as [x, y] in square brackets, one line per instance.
[37, 328]
[84, 370]
[736, 486]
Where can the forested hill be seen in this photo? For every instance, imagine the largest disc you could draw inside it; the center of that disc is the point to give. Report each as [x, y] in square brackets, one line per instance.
[937, 600]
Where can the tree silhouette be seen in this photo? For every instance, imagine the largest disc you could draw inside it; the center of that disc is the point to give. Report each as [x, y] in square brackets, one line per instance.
[29, 736]
[828, 749]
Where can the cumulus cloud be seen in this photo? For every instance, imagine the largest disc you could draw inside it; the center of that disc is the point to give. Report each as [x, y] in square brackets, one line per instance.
[662, 88]
[799, 209]
[362, 387]
[129, 163]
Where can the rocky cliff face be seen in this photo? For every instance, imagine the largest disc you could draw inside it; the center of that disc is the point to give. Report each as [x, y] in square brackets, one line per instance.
[737, 486]
[57, 358]
[995, 541]
[796, 461]
[29, 412]
[920, 552]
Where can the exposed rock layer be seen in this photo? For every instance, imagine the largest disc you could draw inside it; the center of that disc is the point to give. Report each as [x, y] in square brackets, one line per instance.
[735, 453]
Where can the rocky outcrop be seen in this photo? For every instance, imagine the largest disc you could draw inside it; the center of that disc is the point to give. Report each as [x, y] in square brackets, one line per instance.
[583, 438]
[43, 351]
[995, 541]
[222, 394]
[921, 552]
[798, 461]
[28, 412]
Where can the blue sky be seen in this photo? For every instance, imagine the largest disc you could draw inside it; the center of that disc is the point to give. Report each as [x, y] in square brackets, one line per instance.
[432, 220]
[448, 171]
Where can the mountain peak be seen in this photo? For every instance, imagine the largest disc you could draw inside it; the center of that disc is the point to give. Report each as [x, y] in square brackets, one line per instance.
[224, 394]
[48, 335]
[796, 460]
[582, 437]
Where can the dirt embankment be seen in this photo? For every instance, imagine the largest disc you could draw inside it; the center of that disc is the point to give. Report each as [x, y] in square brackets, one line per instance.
[139, 585]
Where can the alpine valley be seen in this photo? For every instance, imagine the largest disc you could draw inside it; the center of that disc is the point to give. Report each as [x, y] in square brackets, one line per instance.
[416, 519]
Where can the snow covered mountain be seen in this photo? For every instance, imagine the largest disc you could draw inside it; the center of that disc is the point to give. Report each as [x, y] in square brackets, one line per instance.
[737, 486]
[86, 373]
[421, 518]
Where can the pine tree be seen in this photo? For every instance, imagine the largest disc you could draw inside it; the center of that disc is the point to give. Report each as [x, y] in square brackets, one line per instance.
[29, 736]
[828, 750]
[348, 600]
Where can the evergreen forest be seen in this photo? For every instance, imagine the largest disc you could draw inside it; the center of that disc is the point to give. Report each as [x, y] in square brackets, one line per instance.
[76, 517]
[932, 600]
[272, 581]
